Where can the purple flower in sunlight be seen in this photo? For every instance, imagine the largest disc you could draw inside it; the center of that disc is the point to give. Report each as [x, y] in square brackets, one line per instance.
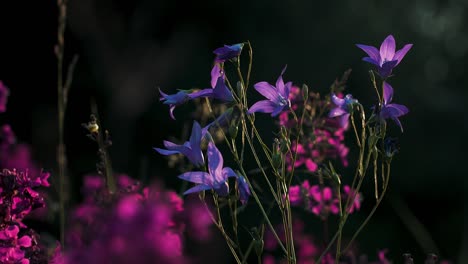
[218, 89]
[386, 59]
[4, 92]
[228, 52]
[342, 109]
[278, 97]
[389, 110]
[191, 149]
[174, 100]
[217, 177]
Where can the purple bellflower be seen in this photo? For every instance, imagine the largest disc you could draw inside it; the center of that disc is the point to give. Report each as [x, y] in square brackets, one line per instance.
[217, 177]
[390, 110]
[228, 52]
[278, 97]
[191, 149]
[174, 100]
[218, 89]
[386, 58]
[342, 109]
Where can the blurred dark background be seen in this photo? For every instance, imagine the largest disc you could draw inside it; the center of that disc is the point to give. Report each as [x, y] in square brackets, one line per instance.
[128, 49]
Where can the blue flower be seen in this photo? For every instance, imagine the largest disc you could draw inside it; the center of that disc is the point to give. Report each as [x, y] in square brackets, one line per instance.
[386, 58]
[278, 97]
[342, 108]
[218, 89]
[389, 110]
[174, 100]
[228, 52]
[217, 177]
[191, 149]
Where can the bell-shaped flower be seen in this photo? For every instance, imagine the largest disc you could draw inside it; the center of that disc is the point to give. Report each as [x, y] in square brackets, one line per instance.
[218, 89]
[228, 52]
[191, 149]
[389, 110]
[174, 100]
[278, 97]
[217, 176]
[342, 109]
[386, 58]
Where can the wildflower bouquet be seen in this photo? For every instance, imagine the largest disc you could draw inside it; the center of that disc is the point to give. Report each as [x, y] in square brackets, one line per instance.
[301, 168]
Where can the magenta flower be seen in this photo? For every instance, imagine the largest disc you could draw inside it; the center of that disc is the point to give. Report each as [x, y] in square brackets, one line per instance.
[191, 149]
[343, 108]
[217, 177]
[324, 201]
[218, 89]
[278, 97]
[228, 52]
[386, 59]
[389, 110]
[174, 100]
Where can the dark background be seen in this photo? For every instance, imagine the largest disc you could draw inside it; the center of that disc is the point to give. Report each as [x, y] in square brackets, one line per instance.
[129, 48]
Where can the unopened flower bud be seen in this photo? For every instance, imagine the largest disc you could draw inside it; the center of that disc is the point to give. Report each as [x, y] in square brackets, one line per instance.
[233, 129]
[391, 147]
[285, 145]
[276, 160]
[305, 92]
[239, 88]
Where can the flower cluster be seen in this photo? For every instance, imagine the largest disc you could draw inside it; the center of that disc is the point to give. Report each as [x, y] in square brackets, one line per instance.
[134, 225]
[322, 200]
[18, 197]
[324, 136]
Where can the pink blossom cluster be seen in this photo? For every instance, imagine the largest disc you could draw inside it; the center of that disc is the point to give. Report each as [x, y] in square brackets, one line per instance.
[132, 226]
[323, 136]
[322, 200]
[20, 181]
[18, 197]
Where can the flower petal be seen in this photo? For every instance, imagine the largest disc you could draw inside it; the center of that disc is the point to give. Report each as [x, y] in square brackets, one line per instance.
[197, 177]
[370, 60]
[267, 90]
[202, 93]
[228, 172]
[215, 73]
[264, 106]
[373, 52]
[215, 163]
[221, 91]
[336, 112]
[195, 136]
[172, 146]
[387, 68]
[244, 191]
[287, 90]
[337, 101]
[387, 49]
[278, 109]
[198, 188]
[399, 55]
[166, 152]
[394, 110]
[387, 93]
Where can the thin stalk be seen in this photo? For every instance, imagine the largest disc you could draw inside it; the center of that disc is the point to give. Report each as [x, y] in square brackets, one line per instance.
[373, 209]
